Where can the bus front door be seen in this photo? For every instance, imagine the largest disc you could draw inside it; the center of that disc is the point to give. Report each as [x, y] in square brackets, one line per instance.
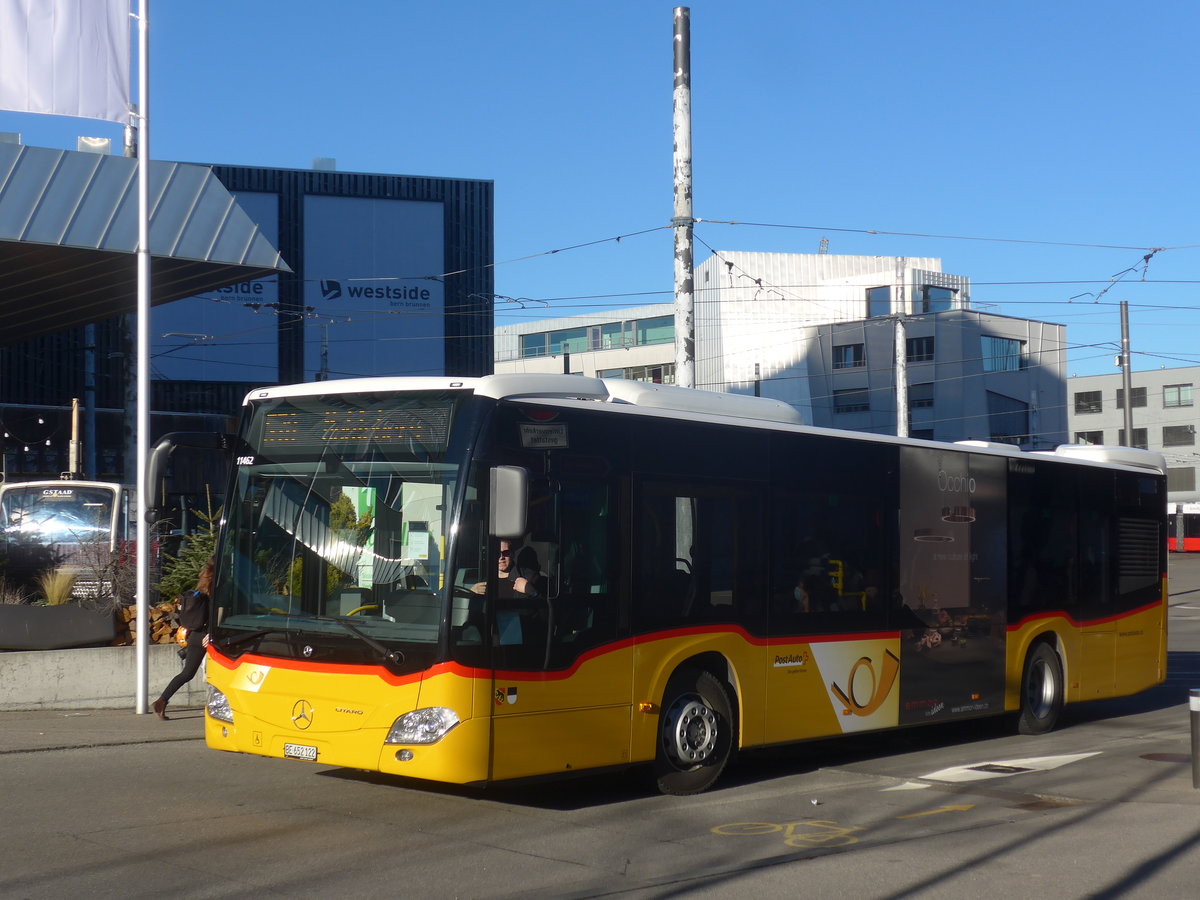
[562, 693]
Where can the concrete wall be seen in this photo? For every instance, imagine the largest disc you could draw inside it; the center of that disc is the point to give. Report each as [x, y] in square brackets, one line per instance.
[91, 678]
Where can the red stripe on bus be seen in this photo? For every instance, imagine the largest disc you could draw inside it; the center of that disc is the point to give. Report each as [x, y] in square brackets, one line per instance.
[451, 667]
[1081, 623]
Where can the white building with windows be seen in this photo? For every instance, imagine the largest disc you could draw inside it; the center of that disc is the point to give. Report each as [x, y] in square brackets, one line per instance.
[819, 332]
[1164, 419]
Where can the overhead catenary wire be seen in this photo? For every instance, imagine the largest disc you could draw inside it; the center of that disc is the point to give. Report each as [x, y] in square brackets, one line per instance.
[945, 237]
[544, 304]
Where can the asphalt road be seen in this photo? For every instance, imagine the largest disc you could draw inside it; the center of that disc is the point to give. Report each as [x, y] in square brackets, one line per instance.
[107, 804]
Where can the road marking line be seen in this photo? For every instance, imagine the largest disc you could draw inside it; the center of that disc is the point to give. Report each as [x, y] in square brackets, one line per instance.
[996, 769]
[909, 786]
[934, 812]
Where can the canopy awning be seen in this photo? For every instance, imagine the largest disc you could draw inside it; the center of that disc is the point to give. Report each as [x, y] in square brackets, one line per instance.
[68, 238]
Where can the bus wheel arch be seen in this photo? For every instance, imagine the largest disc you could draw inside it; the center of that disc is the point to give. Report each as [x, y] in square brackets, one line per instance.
[697, 729]
[1043, 687]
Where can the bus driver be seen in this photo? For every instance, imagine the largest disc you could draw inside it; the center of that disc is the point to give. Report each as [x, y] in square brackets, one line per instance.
[513, 581]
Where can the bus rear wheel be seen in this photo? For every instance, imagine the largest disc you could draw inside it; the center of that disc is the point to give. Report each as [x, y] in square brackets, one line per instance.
[695, 733]
[1041, 691]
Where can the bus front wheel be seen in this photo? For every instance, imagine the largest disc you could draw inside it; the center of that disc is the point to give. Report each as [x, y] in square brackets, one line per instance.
[1041, 691]
[695, 733]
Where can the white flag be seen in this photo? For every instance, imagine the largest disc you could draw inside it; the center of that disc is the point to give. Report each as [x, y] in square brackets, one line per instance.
[65, 58]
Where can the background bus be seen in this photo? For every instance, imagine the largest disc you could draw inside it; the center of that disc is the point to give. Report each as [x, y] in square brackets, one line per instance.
[1184, 529]
[64, 524]
[708, 575]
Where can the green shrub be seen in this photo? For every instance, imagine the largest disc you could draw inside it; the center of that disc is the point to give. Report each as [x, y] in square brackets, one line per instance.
[179, 573]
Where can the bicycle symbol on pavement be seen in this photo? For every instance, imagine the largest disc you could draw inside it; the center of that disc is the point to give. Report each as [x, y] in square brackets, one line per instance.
[808, 833]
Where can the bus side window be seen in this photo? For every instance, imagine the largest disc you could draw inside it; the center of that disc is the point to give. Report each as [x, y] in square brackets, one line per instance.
[584, 607]
[828, 538]
[698, 555]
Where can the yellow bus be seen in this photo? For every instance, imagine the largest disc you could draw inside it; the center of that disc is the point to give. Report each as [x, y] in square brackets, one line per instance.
[474, 580]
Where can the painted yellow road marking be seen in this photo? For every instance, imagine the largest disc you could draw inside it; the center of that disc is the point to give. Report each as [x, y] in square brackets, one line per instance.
[942, 809]
[807, 833]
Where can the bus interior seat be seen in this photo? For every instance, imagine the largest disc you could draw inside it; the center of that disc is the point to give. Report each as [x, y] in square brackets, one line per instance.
[682, 592]
[349, 600]
[529, 567]
[418, 607]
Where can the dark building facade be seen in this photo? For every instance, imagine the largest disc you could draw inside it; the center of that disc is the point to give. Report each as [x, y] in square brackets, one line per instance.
[391, 275]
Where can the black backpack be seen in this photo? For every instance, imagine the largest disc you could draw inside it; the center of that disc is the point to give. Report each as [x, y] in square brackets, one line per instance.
[193, 610]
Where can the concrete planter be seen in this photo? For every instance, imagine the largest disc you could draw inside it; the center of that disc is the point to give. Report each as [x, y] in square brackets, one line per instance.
[94, 678]
[54, 627]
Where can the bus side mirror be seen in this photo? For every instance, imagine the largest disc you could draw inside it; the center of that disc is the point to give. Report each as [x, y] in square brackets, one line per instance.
[510, 500]
[160, 455]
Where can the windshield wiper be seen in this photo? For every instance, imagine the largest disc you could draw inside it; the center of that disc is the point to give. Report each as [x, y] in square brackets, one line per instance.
[390, 657]
[387, 655]
[248, 637]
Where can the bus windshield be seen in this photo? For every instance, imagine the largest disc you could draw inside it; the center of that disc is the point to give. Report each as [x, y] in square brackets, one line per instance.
[60, 513]
[336, 529]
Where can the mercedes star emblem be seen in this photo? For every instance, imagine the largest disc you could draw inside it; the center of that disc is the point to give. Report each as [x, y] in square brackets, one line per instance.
[302, 714]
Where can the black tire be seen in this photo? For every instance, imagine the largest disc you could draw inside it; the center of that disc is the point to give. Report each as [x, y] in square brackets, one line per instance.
[695, 733]
[1041, 690]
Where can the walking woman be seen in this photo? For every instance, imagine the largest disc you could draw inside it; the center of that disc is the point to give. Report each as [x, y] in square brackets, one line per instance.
[193, 616]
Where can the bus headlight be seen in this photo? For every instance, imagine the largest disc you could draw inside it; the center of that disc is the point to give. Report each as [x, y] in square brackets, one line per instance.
[218, 706]
[422, 726]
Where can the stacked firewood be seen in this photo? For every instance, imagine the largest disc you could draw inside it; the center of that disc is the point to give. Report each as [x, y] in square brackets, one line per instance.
[163, 624]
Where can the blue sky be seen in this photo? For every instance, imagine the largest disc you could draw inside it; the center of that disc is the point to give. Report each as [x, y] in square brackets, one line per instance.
[1006, 132]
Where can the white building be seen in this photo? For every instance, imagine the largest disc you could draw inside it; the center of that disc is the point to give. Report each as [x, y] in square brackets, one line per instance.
[819, 332]
[1164, 419]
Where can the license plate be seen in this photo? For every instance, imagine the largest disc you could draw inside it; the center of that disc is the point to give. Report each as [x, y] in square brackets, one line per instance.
[300, 751]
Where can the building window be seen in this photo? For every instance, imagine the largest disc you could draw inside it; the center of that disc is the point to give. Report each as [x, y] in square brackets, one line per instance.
[1002, 354]
[609, 336]
[937, 299]
[613, 335]
[1089, 437]
[879, 301]
[1139, 397]
[1008, 419]
[853, 400]
[920, 396]
[663, 373]
[659, 330]
[1183, 479]
[1088, 402]
[1139, 439]
[924, 434]
[1178, 435]
[568, 340]
[919, 349]
[1176, 395]
[848, 356]
[533, 344]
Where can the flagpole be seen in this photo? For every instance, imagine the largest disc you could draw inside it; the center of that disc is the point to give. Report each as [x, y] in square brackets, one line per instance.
[142, 436]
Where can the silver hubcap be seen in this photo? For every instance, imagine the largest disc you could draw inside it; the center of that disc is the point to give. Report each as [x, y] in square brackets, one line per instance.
[1041, 689]
[690, 731]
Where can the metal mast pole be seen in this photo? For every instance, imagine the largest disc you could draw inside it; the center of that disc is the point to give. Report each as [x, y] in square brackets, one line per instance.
[901, 377]
[1126, 376]
[901, 351]
[143, 357]
[685, 324]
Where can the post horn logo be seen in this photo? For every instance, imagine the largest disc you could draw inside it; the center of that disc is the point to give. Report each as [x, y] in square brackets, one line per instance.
[881, 686]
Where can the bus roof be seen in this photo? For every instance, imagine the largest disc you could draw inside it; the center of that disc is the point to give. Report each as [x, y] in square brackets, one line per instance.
[558, 387]
[669, 399]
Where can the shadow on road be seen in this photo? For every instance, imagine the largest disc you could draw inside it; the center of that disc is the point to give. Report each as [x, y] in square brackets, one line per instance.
[597, 789]
[1183, 673]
